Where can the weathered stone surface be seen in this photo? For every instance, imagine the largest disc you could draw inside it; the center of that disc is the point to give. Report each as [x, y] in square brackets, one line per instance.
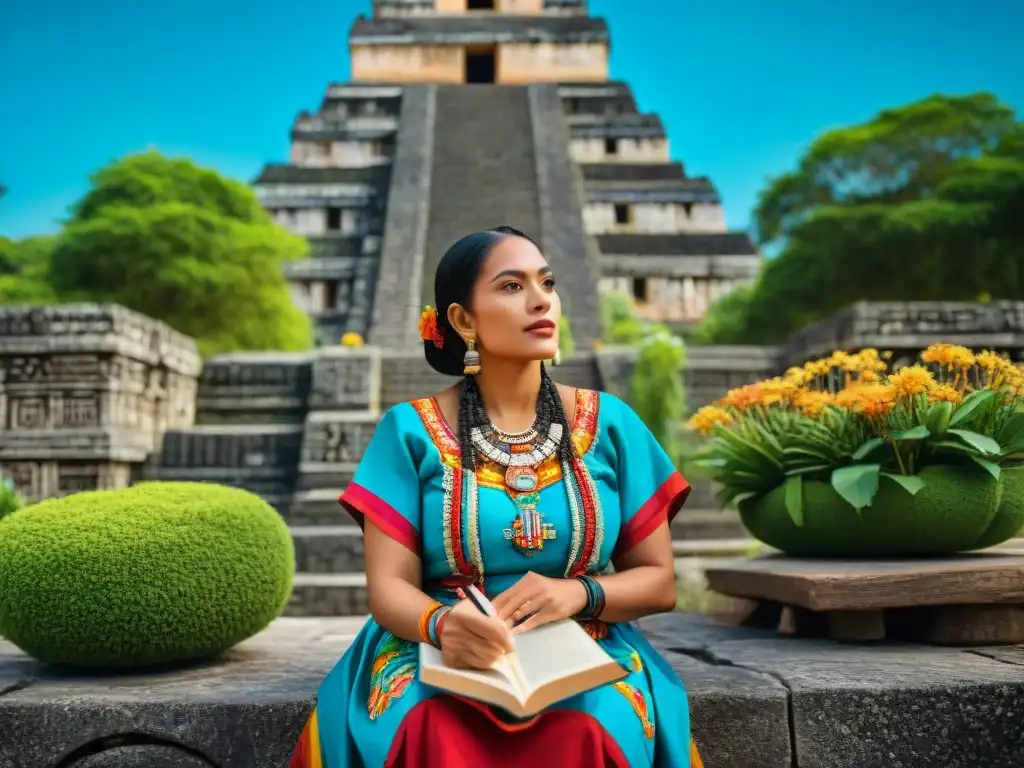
[346, 380]
[756, 700]
[328, 549]
[898, 706]
[328, 594]
[396, 304]
[572, 251]
[254, 387]
[244, 709]
[907, 327]
[87, 390]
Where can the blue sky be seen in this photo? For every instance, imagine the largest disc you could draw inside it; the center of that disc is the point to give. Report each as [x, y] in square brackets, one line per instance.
[743, 85]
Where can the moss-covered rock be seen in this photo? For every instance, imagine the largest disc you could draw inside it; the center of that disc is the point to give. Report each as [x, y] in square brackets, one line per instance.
[156, 573]
[950, 514]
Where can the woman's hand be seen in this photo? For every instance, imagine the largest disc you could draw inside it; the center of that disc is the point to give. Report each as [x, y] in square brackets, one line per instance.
[471, 640]
[542, 599]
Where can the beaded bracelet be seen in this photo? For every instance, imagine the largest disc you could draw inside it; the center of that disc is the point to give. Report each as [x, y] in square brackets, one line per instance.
[595, 599]
[426, 620]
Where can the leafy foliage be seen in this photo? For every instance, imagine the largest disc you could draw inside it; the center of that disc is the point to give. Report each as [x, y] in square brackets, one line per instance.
[10, 501]
[619, 321]
[184, 245]
[912, 195]
[24, 271]
[656, 390]
[566, 344]
[845, 420]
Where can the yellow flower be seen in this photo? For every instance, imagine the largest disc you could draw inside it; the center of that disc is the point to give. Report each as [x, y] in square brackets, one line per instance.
[870, 399]
[868, 377]
[811, 403]
[817, 368]
[945, 394]
[777, 390]
[912, 380]
[706, 418]
[988, 361]
[351, 339]
[948, 356]
[797, 376]
[743, 397]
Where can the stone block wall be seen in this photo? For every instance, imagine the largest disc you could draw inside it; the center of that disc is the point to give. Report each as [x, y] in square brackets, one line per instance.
[86, 392]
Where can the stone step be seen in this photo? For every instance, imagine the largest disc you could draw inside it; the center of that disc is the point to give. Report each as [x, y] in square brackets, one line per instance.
[698, 523]
[328, 548]
[704, 548]
[328, 594]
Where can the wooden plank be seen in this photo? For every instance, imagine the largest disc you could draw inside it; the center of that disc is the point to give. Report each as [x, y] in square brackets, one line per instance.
[981, 578]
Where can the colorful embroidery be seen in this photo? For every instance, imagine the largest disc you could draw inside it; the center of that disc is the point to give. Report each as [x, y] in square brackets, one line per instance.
[635, 663]
[460, 498]
[638, 701]
[597, 630]
[307, 752]
[394, 667]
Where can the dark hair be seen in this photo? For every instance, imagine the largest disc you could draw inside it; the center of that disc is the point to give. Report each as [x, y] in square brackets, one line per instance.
[456, 275]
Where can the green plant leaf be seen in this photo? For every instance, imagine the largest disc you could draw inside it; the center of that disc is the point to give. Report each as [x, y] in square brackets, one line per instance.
[989, 466]
[857, 484]
[867, 448]
[911, 483]
[1012, 430]
[968, 408]
[960, 448]
[740, 498]
[795, 500]
[919, 432]
[978, 441]
[755, 452]
[809, 470]
[937, 418]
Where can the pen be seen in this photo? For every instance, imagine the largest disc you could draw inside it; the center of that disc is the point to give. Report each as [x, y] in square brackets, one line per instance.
[479, 599]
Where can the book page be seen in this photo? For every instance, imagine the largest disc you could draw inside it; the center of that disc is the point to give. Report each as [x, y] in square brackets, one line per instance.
[433, 669]
[556, 651]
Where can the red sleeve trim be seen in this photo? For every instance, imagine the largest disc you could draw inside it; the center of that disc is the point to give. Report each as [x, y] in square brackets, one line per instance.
[362, 504]
[661, 507]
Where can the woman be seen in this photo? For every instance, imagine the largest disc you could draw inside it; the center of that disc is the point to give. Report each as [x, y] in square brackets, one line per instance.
[528, 489]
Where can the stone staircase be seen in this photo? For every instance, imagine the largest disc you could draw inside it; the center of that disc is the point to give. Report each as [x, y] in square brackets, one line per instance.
[494, 184]
[396, 305]
[573, 253]
[292, 429]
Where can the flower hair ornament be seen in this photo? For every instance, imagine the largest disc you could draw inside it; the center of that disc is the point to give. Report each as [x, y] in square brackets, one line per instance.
[428, 328]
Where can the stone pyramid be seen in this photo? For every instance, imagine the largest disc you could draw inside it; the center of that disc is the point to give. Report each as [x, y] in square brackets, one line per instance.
[467, 114]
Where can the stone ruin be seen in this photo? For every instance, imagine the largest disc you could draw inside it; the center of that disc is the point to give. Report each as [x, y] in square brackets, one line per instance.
[97, 396]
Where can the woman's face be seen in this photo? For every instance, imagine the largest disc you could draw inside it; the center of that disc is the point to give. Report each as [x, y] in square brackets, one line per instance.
[515, 308]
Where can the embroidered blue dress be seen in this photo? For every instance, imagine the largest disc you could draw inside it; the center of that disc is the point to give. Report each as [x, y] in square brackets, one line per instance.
[410, 483]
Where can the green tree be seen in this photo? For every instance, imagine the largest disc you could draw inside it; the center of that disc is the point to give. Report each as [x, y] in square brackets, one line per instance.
[726, 321]
[920, 203]
[187, 246]
[24, 271]
[900, 155]
[566, 343]
[656, 390]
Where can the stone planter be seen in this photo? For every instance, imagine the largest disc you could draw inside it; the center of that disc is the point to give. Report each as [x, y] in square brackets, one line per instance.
[1009, 517]
[955, 511]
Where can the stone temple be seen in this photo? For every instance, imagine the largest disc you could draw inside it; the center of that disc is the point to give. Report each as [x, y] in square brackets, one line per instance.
[463, 115]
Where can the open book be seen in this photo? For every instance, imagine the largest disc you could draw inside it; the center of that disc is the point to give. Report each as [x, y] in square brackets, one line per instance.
[551, 663]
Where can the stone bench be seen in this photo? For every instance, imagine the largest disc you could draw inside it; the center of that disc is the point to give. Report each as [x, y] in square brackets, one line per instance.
[759, 700]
